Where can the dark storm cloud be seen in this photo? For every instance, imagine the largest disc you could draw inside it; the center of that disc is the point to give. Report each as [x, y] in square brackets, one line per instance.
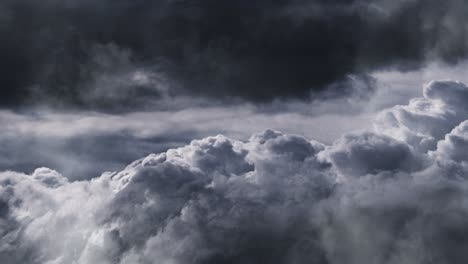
[112, 54]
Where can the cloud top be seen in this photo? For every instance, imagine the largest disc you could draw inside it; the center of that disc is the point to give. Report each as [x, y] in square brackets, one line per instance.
[372, 196]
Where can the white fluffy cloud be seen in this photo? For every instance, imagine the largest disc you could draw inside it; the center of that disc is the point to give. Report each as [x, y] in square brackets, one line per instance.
[426, 120]
[398, 194]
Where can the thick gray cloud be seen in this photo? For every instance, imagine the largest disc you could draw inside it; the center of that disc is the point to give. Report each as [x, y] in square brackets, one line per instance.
[357, 154]
[372, 196]
[118, 55]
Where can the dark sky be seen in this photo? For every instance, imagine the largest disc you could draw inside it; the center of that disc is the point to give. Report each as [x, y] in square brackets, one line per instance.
[57, 52]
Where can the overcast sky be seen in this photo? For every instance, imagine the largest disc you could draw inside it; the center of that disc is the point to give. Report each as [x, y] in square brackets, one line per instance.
[219, 131]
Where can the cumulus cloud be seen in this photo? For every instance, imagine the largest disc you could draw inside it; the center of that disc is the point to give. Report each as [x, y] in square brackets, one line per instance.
[159, 206]
[426, 120]
[371, 196]
[359, 154]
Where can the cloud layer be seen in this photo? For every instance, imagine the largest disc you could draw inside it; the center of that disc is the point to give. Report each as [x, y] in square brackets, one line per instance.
[397, 194]
[83, 144]
[110, 55]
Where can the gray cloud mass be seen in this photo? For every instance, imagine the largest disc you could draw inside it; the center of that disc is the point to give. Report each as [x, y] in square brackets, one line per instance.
[233, 132]
[393, 194]
[121, 55]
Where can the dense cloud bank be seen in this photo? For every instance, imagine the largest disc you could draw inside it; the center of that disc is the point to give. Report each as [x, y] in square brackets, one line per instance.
[398, 194]
[110, 55]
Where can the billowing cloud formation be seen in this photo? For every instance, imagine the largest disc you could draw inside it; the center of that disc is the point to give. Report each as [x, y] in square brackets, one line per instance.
[370, 197]
[99, 54]
[425, 121]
